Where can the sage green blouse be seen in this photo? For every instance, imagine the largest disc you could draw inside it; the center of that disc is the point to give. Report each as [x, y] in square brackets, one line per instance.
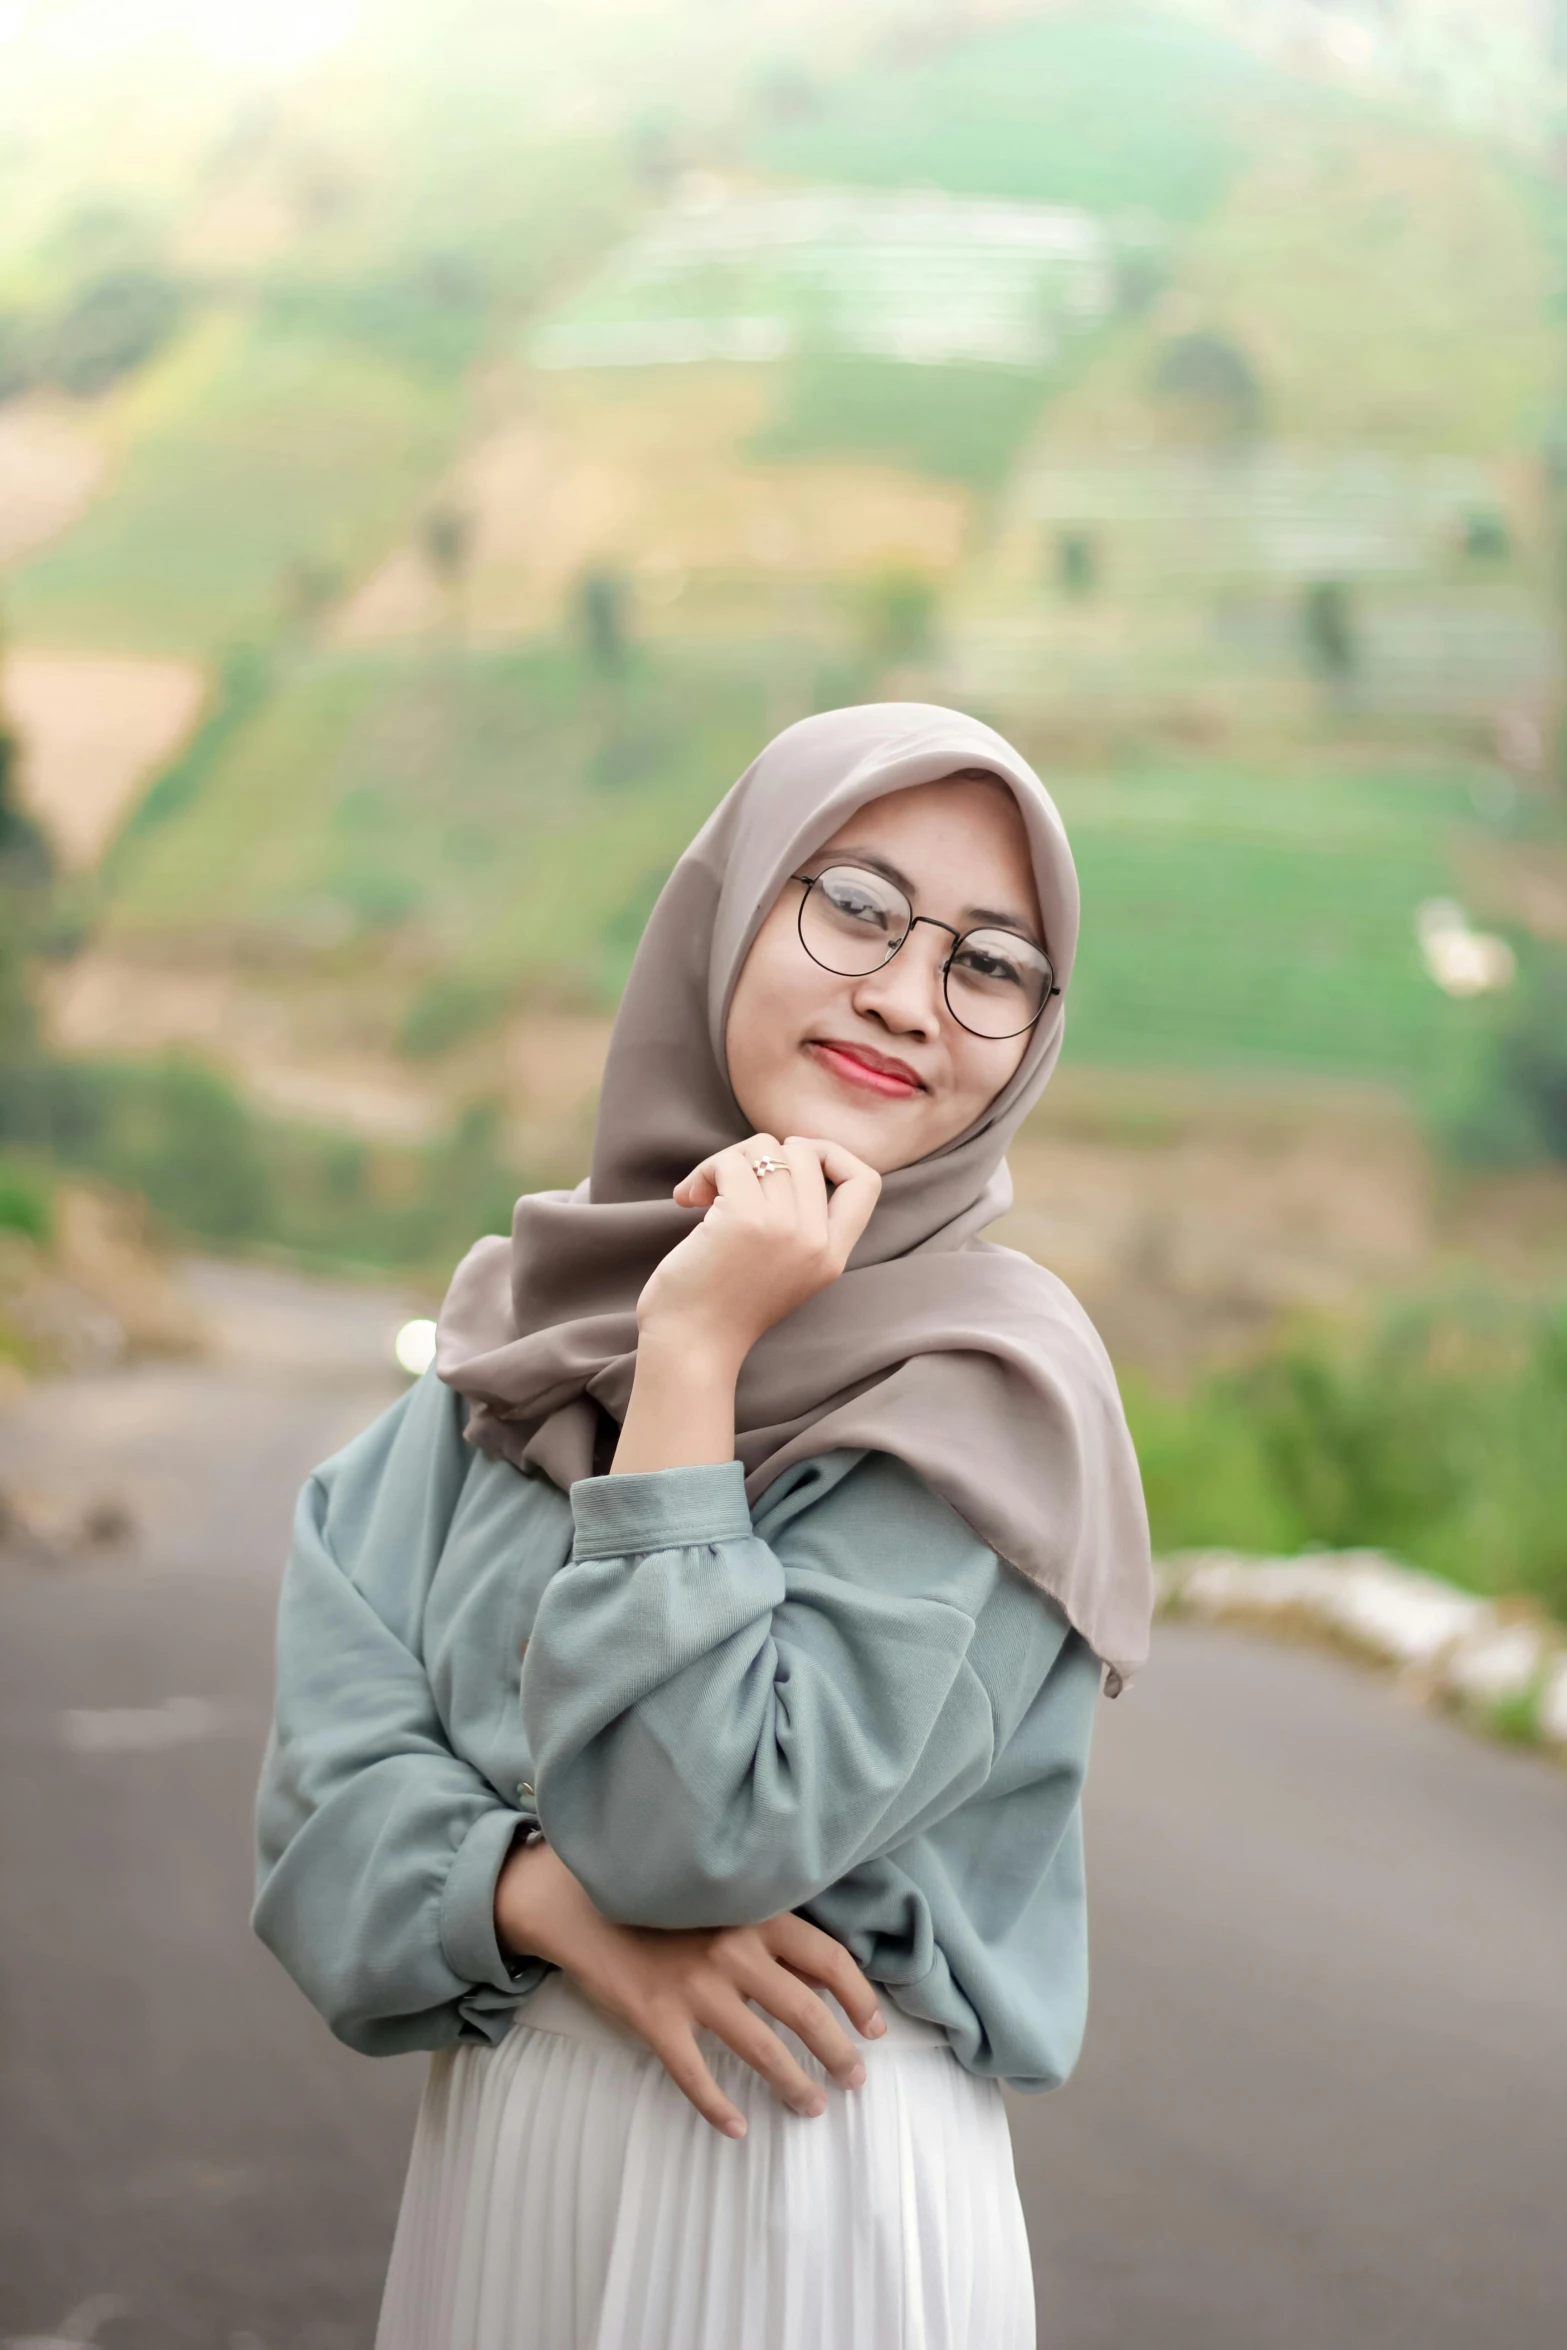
[840, 1703]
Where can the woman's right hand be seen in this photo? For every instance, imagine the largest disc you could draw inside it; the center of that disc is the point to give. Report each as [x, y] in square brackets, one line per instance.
[668, 1986]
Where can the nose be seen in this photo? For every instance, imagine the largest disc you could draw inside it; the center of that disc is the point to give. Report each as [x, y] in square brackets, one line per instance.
[905, 994]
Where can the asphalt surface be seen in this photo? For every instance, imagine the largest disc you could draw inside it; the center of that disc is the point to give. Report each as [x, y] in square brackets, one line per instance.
[1323, 2104]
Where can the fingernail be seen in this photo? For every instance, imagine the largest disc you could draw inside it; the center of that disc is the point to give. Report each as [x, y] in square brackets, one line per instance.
[815, 2106]
[857, 2076]
[877, 2024]
[734, 2129]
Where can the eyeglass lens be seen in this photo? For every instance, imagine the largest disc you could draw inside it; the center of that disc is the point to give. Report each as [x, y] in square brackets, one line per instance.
[853, 920]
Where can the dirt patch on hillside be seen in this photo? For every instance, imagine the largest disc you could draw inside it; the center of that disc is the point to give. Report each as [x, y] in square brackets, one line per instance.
[49, 468]
[660, 487]
[1525, 883]
[293, 1052]
[95, 728]
[1191, 1215]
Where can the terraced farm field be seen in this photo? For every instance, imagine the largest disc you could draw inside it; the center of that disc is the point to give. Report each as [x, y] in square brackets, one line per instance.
[505, 819]
[1236, 920]
[255, 455]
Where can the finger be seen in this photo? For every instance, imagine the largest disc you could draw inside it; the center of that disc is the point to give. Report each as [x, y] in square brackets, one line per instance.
[759, 1199]
[759, 2046]
[808, 1186]
[765, 1175]
[794, 2003]
[856, 1189]
[681, 2058]
[821, 1958]
[697, 1190]
[703, 1185]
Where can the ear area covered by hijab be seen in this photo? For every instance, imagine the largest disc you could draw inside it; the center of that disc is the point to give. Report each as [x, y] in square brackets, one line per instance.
[966, 1360]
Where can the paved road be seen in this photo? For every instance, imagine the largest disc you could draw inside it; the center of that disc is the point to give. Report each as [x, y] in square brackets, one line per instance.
[1324, 2102]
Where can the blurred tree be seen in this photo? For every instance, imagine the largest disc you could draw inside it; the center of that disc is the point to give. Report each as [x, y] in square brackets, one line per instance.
[1076, 562]
[181, 1136]
[446, 538]
[1209, 387]
[1506, 1101]
[1486, 537]
[18, 353]
[787, 93]
[603, 614]
[1328, 626]
[114, 324]
[309, 589]
[26, 874]
[25, 858]
[1142, 272]
[25, 1205]
[898, 614]
[94, 238]
[448, 1010]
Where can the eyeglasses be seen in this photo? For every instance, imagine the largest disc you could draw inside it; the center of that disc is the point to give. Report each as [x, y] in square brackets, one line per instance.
[852, 921]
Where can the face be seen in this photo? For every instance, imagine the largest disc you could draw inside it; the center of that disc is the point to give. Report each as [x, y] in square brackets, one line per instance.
[879, 1063]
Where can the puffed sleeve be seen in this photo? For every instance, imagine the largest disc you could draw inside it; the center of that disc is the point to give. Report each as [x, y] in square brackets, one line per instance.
[378, 1848]
[723, 1727]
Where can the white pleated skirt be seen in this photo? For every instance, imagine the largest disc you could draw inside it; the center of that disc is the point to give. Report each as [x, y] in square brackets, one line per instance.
[563, 2195]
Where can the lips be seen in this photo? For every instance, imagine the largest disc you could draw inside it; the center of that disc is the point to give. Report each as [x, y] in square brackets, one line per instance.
[860, 1065]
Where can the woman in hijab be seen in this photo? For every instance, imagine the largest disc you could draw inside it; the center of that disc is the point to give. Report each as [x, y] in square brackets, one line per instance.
[684, 1692]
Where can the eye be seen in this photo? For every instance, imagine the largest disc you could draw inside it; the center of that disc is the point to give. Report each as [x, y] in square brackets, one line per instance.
[857, 898]
[990, 964]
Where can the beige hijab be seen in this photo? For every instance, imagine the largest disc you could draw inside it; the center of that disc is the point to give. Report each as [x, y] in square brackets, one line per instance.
[968, 1361]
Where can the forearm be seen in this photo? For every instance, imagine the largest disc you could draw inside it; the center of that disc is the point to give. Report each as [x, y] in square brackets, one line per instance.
[711, 1747]
[540, 1909]
[682, 1409]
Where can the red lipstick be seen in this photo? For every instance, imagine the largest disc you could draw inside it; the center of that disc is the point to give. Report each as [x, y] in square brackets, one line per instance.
[859, 1065]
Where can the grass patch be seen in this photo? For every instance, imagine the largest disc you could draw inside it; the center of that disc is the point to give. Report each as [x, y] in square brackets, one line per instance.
[259, 449]
[245, 680]
[961, 424]
[26, 1205]
[1237, 920]
[213, 1168]
[1439, 1435]
[1389, 286]
[1120, 109]
[507, 817]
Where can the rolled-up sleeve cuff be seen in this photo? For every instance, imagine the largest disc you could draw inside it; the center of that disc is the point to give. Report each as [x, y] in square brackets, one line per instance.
[659, 1509]
[468, 1940]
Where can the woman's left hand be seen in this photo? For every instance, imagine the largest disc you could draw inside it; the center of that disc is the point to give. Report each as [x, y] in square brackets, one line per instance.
[766, 1244]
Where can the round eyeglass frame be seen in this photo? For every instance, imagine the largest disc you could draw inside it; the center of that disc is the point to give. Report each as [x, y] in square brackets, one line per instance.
[809, 881]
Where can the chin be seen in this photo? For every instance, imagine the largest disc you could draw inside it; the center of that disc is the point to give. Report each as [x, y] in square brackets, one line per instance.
[880, 1133]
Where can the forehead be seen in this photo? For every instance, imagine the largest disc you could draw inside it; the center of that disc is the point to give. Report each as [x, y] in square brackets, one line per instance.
[964, 834]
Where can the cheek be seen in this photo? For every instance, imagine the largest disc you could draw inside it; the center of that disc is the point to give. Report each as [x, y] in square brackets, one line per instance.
[771, 1006]
[981, 1071]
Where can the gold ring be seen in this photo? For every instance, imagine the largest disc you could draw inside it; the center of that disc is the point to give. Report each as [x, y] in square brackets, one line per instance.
[763, 1167]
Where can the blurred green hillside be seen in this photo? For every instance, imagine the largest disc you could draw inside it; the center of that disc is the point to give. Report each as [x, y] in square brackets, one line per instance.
[507, 624]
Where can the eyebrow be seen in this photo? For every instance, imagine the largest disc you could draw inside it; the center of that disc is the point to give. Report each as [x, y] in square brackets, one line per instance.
[977, 915]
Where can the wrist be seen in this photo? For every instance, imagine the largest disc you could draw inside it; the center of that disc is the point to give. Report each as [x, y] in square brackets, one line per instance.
[523, 1904]
[693, 1351]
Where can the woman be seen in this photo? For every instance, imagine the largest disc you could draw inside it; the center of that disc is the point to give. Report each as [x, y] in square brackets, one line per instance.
[810, 1518]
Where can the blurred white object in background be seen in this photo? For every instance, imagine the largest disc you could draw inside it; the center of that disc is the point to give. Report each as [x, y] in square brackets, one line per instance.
[1463, 962]
[414, 1347]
